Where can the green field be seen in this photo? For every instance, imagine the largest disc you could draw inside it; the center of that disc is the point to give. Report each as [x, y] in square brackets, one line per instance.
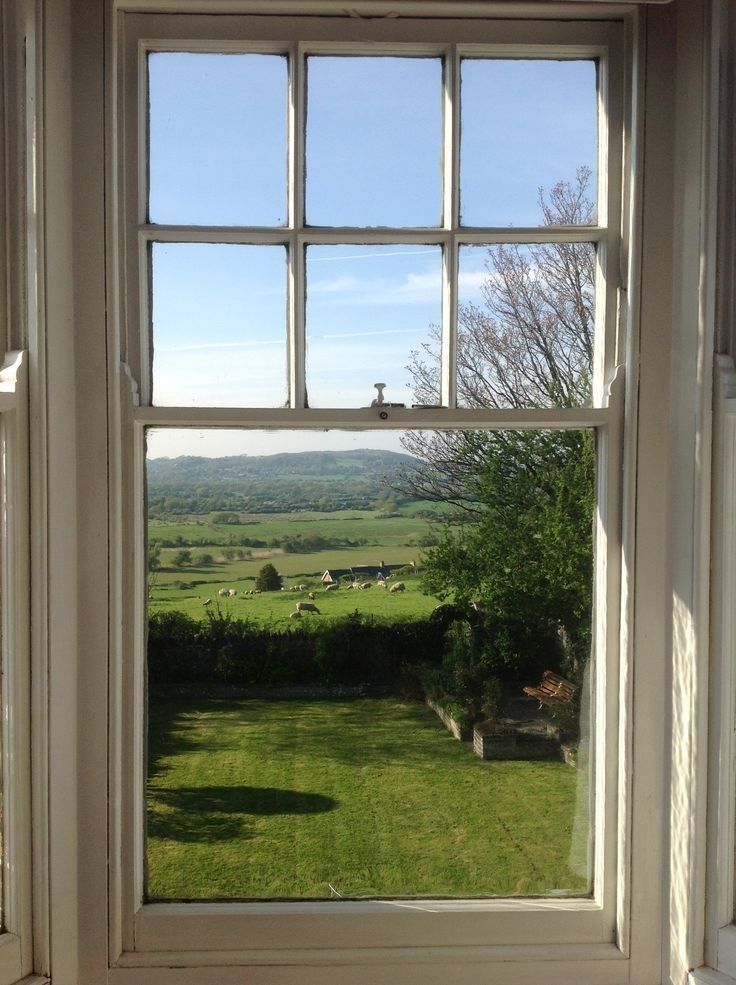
[274, 607]
[340, 525]
[187, 588]
[370, 797]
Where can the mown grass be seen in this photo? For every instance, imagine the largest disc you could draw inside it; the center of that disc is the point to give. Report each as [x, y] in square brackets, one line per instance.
[370, 797]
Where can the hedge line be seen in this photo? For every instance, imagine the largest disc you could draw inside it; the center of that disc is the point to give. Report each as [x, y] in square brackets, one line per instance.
[346, 651]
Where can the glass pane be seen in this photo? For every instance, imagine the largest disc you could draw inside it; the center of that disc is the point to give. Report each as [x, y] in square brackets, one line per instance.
[374, 141]
[219, 325]
[311, 644]
[218, 138]
[369, 308]
[526, 325]
[529, 142]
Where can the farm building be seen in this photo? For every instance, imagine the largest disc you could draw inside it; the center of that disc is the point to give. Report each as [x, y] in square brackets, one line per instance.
[363, 571]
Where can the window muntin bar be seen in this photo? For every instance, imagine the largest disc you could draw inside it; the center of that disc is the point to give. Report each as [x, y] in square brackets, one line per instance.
[454, 238]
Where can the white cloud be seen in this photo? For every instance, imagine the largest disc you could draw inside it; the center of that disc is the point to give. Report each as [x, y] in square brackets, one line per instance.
[471, 281]
[338, 285]
[212, 346]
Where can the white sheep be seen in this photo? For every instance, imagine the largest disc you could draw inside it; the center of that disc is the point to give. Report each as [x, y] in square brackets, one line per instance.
[398, 587]
[365, 584]
[307, 607]
[332, 588]
[207, 602]
[222, 592]
[231, 593]
[381, 584]
[311, 596]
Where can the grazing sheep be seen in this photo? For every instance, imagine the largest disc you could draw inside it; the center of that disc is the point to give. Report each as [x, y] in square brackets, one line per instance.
[231, 593]
[302, 588]
[222, 592]
[295, 615]
[381, 584]
[398, 587]
[311, 596]
[307, 607]
[207, 602]
[332, 588]
[365, 584]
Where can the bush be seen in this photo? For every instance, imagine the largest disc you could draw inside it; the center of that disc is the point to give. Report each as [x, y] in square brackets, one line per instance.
[268, 579]
[458, 644]
[492, 703]
[567, 716]
[349, 651]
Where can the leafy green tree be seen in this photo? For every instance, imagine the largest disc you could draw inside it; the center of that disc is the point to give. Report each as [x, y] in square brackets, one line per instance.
[519, 543]
[154, 555]
[268, 579]
[203, 560]
[527, 558]
[182, 558]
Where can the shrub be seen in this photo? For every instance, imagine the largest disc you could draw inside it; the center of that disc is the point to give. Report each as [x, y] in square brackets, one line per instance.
[268, 579]
[348, 651]
[567, 716]
[458, 644]
[492, 703]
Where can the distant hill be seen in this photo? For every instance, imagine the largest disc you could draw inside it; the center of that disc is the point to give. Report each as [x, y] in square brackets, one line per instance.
[371, 462]
[321, 480]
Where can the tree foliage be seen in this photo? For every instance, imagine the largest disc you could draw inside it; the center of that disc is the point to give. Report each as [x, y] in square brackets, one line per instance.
[519, 544]
[182, 558]
[268, 579]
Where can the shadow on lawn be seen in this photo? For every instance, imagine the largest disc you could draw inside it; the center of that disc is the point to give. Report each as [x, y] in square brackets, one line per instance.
[219, 813]
[351, 731]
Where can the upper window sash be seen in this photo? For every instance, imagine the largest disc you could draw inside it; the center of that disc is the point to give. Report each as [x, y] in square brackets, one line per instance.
[449, 40]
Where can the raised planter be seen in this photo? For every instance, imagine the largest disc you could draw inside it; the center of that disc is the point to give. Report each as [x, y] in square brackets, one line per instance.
[493, 742]
[512, 741]
[461, 732]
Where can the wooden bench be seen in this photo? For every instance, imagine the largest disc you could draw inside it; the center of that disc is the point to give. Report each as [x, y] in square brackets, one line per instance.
[552, 689]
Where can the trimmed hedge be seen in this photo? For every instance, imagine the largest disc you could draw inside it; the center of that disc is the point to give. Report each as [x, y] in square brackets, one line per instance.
[348, 651]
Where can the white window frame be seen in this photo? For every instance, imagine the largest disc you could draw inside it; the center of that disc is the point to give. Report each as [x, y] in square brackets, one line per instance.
[22, 761]
[15, 941]
[504, 934]
[661, 830]
[721, 909]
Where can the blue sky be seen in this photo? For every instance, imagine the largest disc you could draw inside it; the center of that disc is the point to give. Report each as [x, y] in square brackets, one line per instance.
[218, 128]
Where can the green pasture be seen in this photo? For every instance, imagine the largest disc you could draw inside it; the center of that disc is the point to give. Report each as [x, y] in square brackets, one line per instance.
[188, 587]
[370, 797]
[342, 525]
[291, 566]
[274, 607]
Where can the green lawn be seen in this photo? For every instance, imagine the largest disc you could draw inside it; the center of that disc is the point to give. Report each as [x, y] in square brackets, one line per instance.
[372, 797]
